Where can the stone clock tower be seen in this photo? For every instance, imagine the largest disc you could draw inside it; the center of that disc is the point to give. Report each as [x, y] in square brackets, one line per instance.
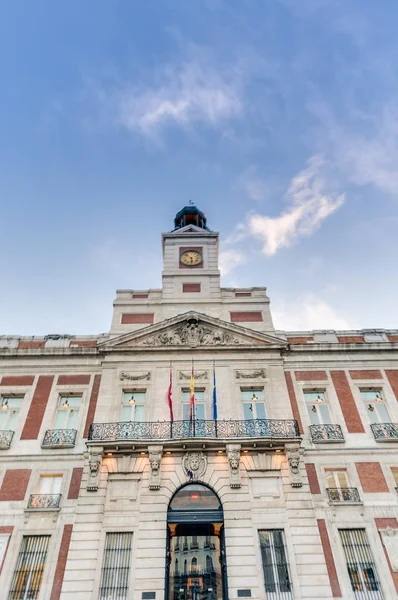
[190, 259]
[191, 281]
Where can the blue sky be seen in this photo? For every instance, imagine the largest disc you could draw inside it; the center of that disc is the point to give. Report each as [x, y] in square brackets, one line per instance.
[278, 118]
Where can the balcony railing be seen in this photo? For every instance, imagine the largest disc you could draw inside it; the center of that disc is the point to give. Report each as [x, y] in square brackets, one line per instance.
[179, 430]
[326, 433]
[59, 438]
[44, 501]
[337, 495]
[385, 432]
[5, 439]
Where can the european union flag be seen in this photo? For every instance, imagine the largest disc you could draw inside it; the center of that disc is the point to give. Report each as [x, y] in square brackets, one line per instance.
[214, 397]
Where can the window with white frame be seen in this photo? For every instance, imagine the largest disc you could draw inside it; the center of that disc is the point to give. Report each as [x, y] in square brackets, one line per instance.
[337, 478]
[253, 403]
[133, 406]
[361, 567]
[275, 565]
[29, 569]
[67, 416]
[199, 406]
[375, 405]
[50, 484]
[9, 412]
[317, 407]
[115, 572]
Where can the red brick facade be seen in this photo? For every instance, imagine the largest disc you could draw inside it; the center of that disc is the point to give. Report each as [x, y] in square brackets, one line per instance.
[61, 562]
[37, 408]
[392, 377]
[347, 402]
[6, 529]
[84, 343]
[311, 375]
[366, 374]
[327, 551]
[293, 400]
[30, 345]
[93, 404]
[350, 339]
[300, 340]
[371, 477]
[393, 524]
[312, 478]
[15, 484]
[74, 486]
[190, 287]
[246, 317]
[73, 380]
[15, 380]
[137, 318]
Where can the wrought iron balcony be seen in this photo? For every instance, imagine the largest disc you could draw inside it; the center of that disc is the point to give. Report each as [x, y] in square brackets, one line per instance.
[5, 439]
[44, 501]
[326, 433]
[59, 438]
[385, 432]
[184, 430]
[337, 495]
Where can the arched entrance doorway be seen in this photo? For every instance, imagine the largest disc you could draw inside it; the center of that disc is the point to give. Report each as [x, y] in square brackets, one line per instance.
[196, 568]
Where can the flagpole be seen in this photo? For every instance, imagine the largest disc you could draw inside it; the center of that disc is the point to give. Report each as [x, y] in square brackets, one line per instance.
[215, 415]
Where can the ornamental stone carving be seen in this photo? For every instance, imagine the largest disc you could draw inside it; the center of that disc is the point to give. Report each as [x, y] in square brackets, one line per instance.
[194, 465]
[193, 333]
[260, 374]
[198, 375]
[233, 453]
[129, 377]
[293, 457]
[155, 457]
[94, 462]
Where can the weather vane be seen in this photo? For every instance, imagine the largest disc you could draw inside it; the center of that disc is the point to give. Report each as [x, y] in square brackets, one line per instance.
[190, 203]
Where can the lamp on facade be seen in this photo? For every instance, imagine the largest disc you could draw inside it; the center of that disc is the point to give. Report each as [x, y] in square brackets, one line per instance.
[132, 401]
[314, 409]
[254, 398]
[378, 397]
[4, 404]
[319, 400]
[371, 408]
[66, 403]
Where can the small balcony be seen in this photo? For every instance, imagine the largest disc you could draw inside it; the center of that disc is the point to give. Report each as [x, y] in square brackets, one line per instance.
[385, 432]
[44, 501]
[181, 431]
[5, 439]
[323, 434]
[343, 495]
[59, 438]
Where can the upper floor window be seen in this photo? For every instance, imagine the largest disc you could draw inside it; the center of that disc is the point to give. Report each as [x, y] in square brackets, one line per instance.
[253, 403]
[375, 406]
[9, 413]
[275, 564]
[68, 412]
[317, 407]
[50, 484]
[337, 478]
[199, 407]
[133, 405]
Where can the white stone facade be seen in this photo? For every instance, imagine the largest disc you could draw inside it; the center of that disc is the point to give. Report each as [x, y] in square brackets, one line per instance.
[280, 482]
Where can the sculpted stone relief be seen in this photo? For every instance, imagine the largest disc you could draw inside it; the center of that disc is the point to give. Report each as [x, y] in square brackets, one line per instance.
[194, 465]
[192, 333]
[250, 375]
[129, 377]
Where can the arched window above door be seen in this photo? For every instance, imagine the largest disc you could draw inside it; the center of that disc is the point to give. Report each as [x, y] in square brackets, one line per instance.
[195, 496]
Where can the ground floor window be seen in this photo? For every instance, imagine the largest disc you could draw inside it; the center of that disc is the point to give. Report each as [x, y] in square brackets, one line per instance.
[28, 573]
[116, 566]
[275, 565]
[360, 564]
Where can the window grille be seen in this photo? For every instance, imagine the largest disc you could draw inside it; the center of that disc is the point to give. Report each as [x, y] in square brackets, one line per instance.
[28, 573]
[360, 565]
[116, 566]
[275, 565]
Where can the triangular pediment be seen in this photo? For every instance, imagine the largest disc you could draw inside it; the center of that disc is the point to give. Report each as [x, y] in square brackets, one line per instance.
[192, 330]
[190, 229]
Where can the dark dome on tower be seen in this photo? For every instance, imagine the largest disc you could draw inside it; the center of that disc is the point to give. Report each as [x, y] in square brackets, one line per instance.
[190, 215]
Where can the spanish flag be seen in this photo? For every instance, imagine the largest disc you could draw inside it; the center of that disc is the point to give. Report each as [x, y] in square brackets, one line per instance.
[192, 397]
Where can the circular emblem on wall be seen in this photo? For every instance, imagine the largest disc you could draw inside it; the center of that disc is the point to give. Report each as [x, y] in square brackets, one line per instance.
[194, 465]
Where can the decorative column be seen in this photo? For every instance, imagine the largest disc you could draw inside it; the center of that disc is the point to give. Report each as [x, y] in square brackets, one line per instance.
[155, 457]
[94, 461]
[294, 452]
[233, 453]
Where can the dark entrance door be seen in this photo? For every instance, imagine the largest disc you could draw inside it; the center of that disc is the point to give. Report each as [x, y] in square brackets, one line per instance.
[195, 567]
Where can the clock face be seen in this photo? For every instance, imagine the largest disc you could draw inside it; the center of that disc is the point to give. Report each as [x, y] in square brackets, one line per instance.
[191, 258]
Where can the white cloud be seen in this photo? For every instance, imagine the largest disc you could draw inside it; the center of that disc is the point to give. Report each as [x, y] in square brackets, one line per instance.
[195, 91]
[309, 206]
[310, 312]
[229, 260]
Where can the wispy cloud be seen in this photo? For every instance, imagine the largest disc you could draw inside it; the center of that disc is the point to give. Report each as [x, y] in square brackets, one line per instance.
[229, 260]
[195, 91]
[310, 312]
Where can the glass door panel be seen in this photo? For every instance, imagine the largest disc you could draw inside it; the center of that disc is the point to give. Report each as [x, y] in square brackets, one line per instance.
[195, 568]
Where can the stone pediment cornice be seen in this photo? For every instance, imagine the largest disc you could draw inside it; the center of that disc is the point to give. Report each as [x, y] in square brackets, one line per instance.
[193, 330]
